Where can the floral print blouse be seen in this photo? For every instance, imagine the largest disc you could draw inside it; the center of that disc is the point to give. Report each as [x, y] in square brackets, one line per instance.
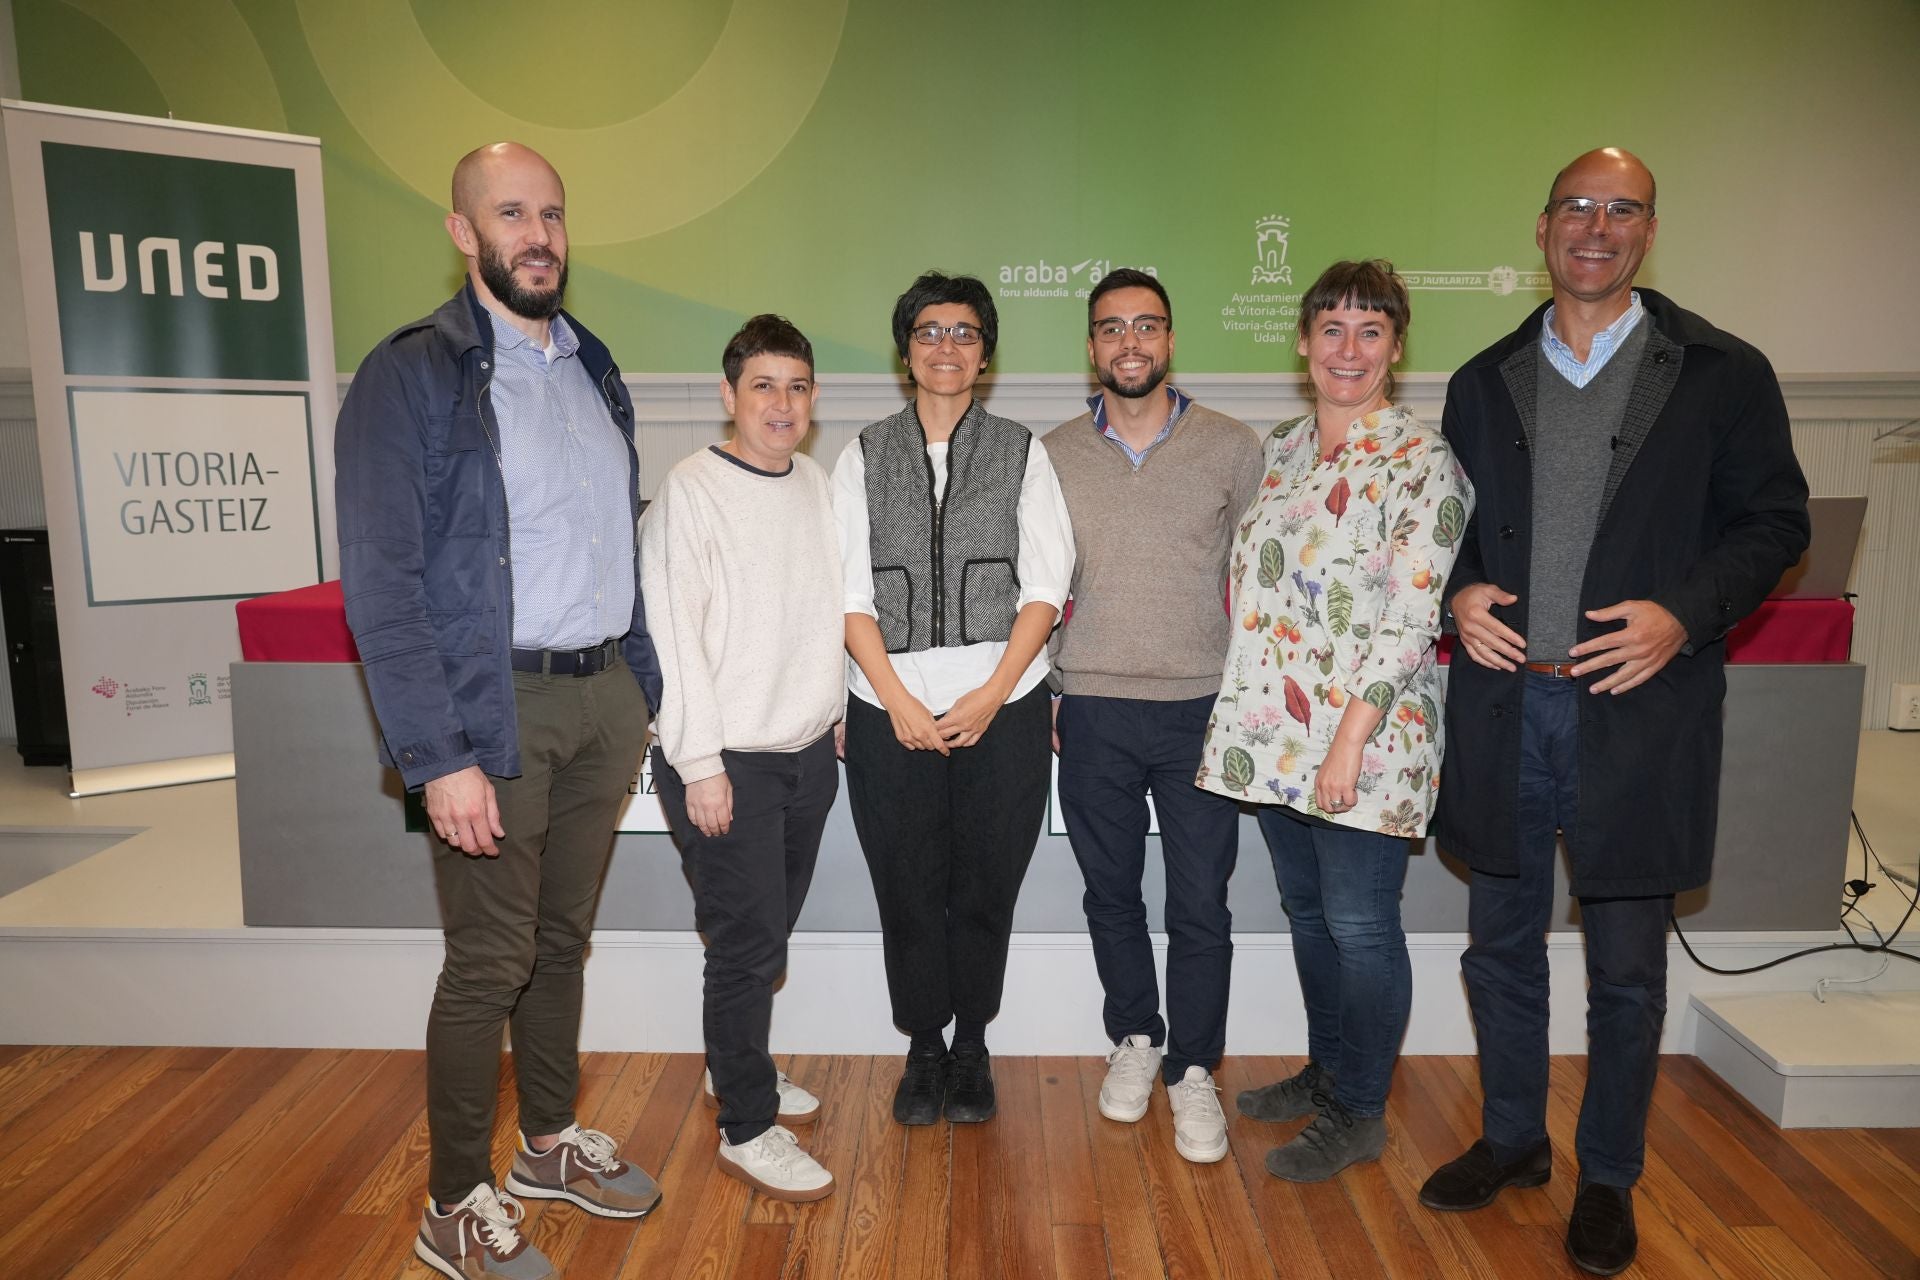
[1335, 589]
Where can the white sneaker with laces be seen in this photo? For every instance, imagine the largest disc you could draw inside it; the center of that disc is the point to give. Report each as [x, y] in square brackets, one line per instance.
[1199, 1126]
[797, 1106]
[775, 1164]
[1131, 1069]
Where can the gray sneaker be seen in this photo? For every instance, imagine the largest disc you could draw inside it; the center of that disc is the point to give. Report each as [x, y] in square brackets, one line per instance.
[583, 1167]
[1287, 1099]
[479, 1238]
[1334, 1140]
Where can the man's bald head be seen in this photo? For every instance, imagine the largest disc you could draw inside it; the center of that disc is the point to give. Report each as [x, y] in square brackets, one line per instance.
[481, 169]
[1616, 160]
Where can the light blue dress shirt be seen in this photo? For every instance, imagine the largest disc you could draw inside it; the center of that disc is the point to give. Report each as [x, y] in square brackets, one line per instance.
[569, 510]
[1605, 343]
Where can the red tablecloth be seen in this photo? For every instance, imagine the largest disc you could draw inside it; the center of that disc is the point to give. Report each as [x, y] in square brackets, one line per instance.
[1780, 631]
[307, 624]
[1794, 631]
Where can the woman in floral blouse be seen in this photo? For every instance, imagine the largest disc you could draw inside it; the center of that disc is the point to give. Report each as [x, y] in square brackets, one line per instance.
[1329, 712]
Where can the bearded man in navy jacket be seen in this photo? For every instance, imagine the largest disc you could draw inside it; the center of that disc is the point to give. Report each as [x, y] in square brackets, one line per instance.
[487, 492]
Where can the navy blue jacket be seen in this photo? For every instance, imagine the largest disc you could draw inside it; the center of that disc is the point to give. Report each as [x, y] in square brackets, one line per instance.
[1703, 508]
[424, 538]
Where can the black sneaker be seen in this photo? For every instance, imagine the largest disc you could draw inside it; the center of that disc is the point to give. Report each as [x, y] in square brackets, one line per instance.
[922, 1087]
[970, 1097]
[1336, 1138]
[1600, 1231]
[1287, 1099]
[1472, 1180]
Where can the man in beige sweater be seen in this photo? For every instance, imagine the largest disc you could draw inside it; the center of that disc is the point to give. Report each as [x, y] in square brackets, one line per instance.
[741, 563]
[1155, 485]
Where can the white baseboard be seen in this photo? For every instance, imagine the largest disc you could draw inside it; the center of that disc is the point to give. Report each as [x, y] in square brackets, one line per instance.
[371, 988]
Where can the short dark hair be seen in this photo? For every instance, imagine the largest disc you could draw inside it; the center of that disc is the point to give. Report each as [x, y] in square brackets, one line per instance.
[1128, 278]
[934, 289]
[764, 335]
[1368, 285]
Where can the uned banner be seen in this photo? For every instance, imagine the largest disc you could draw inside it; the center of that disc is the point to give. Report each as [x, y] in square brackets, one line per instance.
[175, 277]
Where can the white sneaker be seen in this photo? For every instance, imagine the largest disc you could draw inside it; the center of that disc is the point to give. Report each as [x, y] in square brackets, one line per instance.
[775, 1164]
[1131, 1069]
[797, 1106]
[1199, 1126]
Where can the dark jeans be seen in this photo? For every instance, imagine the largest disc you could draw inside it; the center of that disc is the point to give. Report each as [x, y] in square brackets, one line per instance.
[748, 887]
[947, 840]
[1341, 891]
[517, 925]
[1506, 967]
[1112, 752]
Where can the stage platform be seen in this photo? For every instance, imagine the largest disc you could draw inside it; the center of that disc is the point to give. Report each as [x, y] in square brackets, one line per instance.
[134, 935]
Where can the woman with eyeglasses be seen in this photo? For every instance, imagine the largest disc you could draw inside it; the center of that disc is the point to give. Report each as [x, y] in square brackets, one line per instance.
[1328, 717]
[957, 553]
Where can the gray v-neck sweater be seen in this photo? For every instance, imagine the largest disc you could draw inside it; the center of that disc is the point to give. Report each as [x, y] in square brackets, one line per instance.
[1572, 450]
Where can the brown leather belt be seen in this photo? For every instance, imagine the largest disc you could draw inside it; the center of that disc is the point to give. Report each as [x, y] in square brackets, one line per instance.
[1562, 669]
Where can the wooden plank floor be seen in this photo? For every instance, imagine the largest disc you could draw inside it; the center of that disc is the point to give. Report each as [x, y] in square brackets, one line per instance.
[204, 1163]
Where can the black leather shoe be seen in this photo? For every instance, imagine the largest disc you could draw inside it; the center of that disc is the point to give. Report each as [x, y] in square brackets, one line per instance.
[1600, 1231]
[922, 1087]
[1474, 1179]
[970, 1097]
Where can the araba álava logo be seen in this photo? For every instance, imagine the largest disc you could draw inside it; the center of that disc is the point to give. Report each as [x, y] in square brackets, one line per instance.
[1043, 279]
[255, 269]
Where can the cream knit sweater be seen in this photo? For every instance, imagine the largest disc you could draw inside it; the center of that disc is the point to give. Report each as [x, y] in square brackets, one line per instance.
[741, 575]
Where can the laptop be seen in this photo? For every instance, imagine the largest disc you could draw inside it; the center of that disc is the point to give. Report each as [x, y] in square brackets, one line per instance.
[1823, 571]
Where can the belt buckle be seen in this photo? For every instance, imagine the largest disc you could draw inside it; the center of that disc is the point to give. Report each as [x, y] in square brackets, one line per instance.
[591, 662]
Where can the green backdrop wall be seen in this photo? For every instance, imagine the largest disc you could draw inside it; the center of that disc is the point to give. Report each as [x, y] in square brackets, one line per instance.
[809, 156]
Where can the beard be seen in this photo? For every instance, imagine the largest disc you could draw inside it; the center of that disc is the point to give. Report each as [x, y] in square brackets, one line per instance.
[530, 304]
[1149, 382]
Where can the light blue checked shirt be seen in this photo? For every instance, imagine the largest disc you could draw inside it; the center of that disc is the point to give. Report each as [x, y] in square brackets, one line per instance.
[570, 515]
[1605, 343]
[1177, 402]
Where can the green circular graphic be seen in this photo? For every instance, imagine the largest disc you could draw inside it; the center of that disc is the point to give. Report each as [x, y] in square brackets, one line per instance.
[626, 181]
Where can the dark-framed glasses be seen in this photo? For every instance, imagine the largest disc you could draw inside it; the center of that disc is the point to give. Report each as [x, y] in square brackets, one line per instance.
[1581, 209]
[963, 335]
[1145, 328]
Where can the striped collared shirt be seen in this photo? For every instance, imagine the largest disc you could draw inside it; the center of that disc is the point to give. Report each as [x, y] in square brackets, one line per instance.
[1177, 402]
[570, 513]
[1605, 343]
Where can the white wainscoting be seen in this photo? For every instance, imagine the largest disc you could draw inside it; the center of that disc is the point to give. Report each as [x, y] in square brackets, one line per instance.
[1854, 434]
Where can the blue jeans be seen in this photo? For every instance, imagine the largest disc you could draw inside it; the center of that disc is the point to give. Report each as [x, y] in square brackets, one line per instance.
[1341, 890]
[1112, 752]
[1505, 967]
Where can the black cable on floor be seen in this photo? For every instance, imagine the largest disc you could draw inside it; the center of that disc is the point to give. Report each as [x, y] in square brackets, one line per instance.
[1885, 948]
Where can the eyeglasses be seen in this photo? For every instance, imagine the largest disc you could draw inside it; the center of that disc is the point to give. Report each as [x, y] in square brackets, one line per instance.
[1581, 209]
[1145, 328]
[963, 335]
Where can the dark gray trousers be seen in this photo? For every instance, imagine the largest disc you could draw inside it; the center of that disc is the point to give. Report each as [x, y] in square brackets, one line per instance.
[517, 925]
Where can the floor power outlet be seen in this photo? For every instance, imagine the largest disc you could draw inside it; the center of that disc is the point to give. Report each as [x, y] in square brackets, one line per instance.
[1904, 714]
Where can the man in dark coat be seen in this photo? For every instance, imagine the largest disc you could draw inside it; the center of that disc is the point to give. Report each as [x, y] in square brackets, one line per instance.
[1638, 495]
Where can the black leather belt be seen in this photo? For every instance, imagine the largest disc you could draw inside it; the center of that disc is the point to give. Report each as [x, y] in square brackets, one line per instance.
[568, 662]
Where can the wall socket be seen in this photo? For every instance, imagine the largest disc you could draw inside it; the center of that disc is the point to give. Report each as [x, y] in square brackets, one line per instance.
[1905, 711]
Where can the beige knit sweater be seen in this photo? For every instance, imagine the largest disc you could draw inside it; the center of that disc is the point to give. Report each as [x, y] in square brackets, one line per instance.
[741, 576]
[1151, 544]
